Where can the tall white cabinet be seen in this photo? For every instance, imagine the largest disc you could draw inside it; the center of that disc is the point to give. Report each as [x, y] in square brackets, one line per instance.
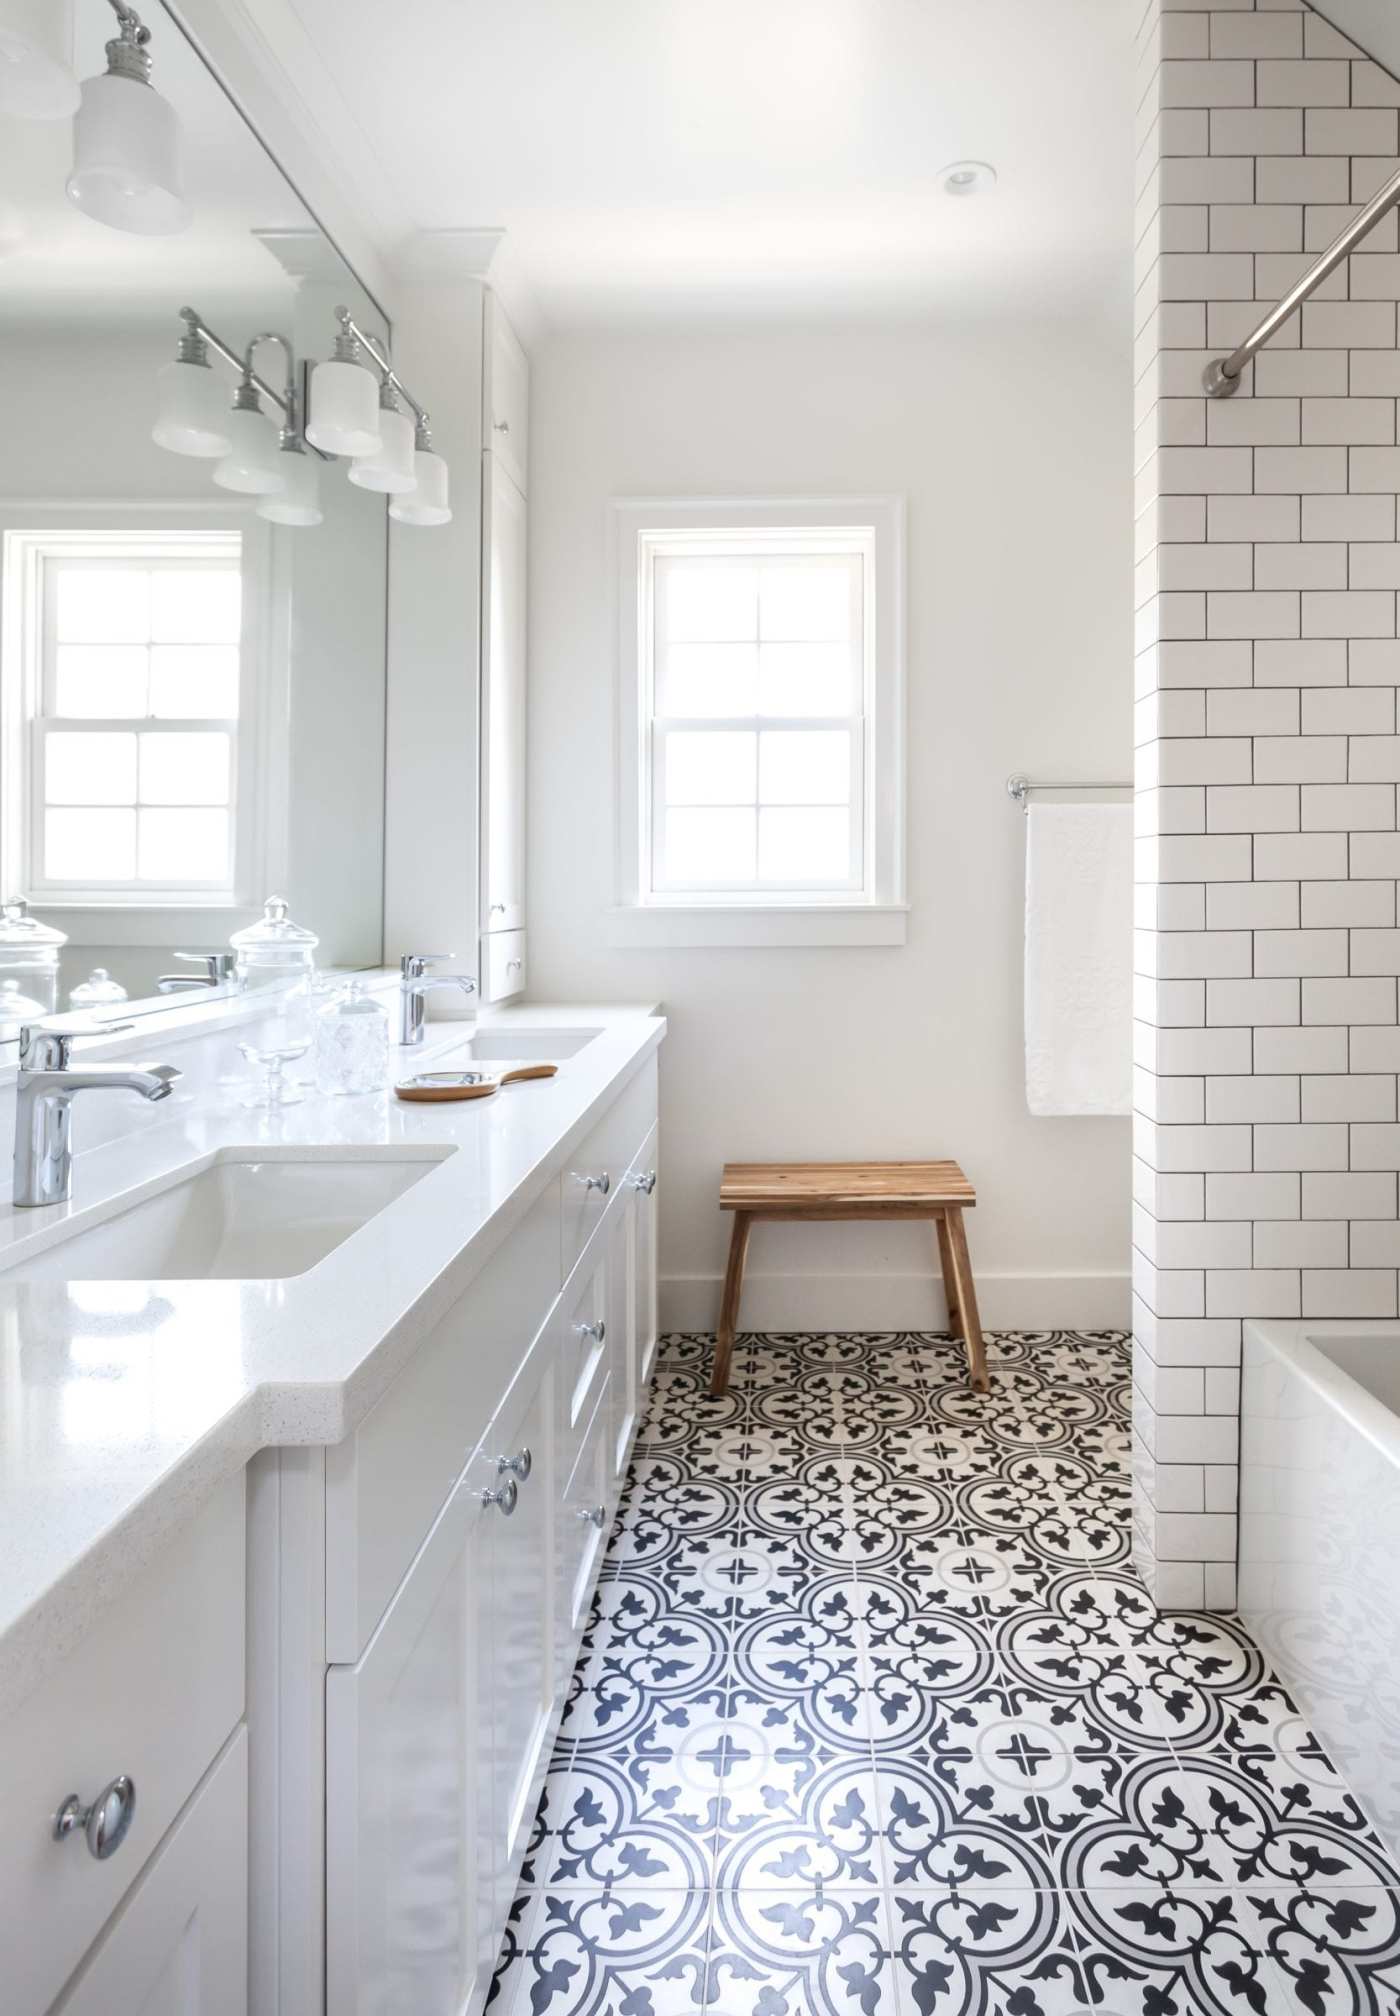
[504, 477]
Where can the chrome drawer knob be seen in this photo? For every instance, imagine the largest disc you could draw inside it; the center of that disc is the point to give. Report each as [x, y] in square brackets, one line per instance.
[106, 1823]
[646, 1184]
[602, 1184]
[506, 1496]
[498, 909]
[595, 1515]
[502, 426]
[518, 1466]
[597, 1331]
[514, 965]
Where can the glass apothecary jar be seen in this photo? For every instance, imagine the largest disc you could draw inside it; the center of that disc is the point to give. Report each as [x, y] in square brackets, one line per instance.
[352, 1042]
[29, 955]
[275, 951]
[99, 990]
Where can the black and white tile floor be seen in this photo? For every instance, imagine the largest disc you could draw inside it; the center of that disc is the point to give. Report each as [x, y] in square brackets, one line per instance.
[873, 1716]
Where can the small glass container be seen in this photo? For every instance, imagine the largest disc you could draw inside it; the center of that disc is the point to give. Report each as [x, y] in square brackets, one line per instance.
[17, 1008]
[29, 953]
[352, 1042]
[275, 951]
[99, 990]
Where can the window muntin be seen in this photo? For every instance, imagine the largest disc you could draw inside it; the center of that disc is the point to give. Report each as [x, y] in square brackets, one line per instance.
[756, 655]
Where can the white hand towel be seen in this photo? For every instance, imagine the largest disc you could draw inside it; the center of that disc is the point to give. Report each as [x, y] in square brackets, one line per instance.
[1079, 958]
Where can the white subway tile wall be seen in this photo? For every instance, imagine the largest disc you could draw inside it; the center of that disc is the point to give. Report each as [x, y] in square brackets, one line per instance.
[1268, 661]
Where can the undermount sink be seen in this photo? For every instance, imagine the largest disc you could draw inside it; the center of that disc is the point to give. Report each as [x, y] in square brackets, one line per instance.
[519, 1044]
[245, 1217]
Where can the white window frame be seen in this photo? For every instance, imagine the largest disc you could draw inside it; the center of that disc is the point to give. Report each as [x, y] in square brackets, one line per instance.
[29, 533]
[875, 912]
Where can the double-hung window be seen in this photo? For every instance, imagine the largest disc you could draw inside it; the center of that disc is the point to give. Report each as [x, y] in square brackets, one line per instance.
[760, 711]
[127, 689]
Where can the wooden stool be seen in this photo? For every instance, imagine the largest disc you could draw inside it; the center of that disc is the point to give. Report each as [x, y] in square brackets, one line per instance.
[816, 1190]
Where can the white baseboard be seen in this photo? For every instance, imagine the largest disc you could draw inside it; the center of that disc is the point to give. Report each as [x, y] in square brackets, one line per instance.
[887, 1301]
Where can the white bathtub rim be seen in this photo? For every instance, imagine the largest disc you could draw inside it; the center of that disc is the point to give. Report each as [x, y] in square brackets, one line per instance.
[1290, 1342]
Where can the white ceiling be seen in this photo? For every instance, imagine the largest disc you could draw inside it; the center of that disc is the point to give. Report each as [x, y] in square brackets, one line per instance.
[728, 157]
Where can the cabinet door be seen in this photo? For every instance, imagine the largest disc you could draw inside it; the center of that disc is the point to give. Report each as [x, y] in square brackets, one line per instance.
[410, 1904]
[179, 1944]
[502, 702]
[622, 1361]
[507, 402]
[519, 1629]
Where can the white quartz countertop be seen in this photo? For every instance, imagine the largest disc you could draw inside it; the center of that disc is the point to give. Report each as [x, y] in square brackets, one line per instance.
[124, 1404]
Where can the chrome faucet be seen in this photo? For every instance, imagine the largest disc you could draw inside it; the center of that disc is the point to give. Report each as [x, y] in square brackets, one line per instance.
[218, 971]
[44, 1092]
[414, 984]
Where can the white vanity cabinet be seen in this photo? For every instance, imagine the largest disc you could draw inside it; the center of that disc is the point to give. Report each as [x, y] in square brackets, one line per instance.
[445, 1688]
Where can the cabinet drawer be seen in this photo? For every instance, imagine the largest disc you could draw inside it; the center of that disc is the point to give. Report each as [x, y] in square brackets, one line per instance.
[153, 1693]
[504, 971]
[602, 1159]
[584, 1518]
[507, 417]
[180, 1941]
[386, 1483]
[586, 1324]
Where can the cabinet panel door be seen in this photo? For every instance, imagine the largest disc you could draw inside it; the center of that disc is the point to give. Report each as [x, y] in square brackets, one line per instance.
[179, 1944]
[622, 1359]
[507, 414]
[410, 1903]
[503, 702]
[520, 1626]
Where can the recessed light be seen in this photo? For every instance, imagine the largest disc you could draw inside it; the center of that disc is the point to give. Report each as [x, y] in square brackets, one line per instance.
[967, 178]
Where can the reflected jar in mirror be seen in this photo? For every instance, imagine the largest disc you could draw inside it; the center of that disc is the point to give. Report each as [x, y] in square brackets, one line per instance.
[274, 952]
[29, 954]
[99, 990]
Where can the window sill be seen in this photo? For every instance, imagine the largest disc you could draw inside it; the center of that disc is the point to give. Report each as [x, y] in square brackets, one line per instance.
[642, 925]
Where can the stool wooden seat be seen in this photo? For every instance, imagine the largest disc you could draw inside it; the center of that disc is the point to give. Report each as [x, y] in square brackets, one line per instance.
[827, 1190]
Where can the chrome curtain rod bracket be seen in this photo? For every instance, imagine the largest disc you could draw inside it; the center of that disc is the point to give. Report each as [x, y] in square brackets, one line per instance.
[1019, 788]
[1221, 377]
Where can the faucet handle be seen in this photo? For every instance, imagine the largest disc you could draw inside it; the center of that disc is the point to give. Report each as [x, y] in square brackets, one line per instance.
[44, 1049]
[412, 963]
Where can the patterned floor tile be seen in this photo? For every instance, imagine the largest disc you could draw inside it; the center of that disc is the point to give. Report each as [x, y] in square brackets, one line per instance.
[873, 1715]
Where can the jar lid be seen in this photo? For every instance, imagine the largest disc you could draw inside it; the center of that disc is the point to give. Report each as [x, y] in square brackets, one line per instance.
[274, 932]
[17, 927]
[353, 999]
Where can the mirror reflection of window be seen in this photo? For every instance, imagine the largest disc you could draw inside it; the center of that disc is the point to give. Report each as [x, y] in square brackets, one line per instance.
[127, 671]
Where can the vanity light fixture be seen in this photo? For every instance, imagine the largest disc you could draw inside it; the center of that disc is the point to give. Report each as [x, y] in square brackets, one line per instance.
[426, 504]
[967, 178]
[280, 467]
[192, 413]
[391, 469]
[126, 140]
[344, 408]
[36, 81]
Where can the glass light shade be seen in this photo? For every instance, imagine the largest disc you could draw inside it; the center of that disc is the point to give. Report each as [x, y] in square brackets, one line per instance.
[427, 505]
[299, 500]
[344, 415]
[35, 79]
[252, 464]
[192, 414]
[391, 469]
[126, 157]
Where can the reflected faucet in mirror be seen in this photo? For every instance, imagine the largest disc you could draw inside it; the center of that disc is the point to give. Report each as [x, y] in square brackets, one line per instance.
[44, 1092]
[218, 971]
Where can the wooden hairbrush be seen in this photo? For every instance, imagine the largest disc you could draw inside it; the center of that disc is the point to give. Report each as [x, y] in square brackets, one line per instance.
[431, 1086]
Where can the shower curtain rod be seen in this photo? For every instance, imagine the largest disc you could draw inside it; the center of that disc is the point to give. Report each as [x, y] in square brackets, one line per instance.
[1221, 377]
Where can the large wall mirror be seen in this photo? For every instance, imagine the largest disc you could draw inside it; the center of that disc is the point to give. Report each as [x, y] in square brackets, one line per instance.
[192, 694]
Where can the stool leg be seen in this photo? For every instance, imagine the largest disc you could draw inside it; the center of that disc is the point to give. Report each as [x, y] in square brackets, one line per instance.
[729, 1305]
[945, 1261]
[967, 1303]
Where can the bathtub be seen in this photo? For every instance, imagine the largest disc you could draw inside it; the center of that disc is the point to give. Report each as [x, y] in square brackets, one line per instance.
[1320, 1537]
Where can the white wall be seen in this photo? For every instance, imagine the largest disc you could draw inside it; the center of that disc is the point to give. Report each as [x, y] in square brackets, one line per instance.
[1009, 441]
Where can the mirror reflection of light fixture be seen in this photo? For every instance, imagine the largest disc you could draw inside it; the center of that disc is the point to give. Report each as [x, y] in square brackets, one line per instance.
[391, 469]
[192, 412]
[427, 503]
[36, 79]
[344, 411]
[298, 502]
[281, 469]
[126, 141]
